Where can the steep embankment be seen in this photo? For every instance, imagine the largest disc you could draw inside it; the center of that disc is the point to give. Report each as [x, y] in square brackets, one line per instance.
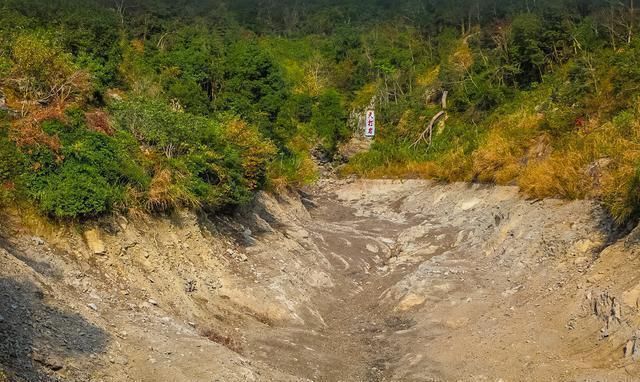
[361, 281]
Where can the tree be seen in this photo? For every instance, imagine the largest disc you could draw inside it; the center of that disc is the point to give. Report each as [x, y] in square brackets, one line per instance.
[525, 48]
[253, 86]
[43, 72]
[330, 121]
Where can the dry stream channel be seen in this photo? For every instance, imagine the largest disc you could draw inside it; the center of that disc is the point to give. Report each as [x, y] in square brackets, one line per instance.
[351, 281]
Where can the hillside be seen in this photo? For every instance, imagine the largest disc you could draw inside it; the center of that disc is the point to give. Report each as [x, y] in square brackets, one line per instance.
[186, 193]
[358, 281]
[148, 106]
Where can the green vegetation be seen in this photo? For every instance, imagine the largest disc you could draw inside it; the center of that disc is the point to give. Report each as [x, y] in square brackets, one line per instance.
[151, 105]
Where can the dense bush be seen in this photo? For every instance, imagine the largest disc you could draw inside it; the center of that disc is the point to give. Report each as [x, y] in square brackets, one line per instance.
[86, 178]
[329, 119]
[207, 162]
[75, 190]
[201, 104]
[43, 71]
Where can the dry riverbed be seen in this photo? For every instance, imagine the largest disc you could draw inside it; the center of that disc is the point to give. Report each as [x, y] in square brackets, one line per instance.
[351, 281]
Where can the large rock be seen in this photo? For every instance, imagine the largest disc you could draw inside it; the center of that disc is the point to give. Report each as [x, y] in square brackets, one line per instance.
[94, 242]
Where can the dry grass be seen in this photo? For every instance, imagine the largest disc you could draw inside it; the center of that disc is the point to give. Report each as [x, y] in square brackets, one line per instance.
[600, 163]
[561, 175]
[27, 131]
[620, 182]
[502, 156]
[133, 203]
[224, 340]
[621, 192]
[452, 166]
[498, 160]
[98, 121]
[167, 191]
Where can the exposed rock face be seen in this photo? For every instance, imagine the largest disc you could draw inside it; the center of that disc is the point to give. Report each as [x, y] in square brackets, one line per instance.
[364, 281]
[94, 242]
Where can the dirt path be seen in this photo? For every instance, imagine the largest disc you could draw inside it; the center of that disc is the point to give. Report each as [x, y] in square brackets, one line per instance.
[368, 281]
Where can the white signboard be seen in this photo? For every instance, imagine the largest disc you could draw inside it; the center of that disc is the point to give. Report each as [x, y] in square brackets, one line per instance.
[370, 124]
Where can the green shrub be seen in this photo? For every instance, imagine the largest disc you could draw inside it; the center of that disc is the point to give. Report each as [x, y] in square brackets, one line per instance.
[215, 162]
[87, 176]
[75, 191]
[43, 71]
[11, 160]
[330, 121]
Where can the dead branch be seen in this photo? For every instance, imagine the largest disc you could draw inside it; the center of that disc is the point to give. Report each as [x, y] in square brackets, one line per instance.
[427, 134]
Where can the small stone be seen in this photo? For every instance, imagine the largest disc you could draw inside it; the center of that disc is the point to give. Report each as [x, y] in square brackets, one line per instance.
[37, 240]
[92, 306]
[48, 361]
[237, 255]
[119, 360]
[581, 261]
[248, 238]
[190, 286]
[153, 302]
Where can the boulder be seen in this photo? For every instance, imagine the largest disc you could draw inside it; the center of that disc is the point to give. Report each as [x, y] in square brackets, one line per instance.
[94, 242]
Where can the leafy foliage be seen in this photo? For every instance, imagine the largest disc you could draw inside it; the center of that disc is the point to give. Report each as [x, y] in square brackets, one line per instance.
[162, 104]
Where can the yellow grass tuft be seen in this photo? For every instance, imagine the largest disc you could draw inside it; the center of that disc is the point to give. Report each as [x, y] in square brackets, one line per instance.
[167, 191]
[502, 156]
[561, 175]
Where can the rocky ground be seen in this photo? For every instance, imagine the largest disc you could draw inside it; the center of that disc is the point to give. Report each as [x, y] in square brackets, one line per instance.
[350, 281]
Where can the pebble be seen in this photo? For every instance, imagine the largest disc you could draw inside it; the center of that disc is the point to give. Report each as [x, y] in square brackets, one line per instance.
[153, 302]
[237, 255]
[92, 306]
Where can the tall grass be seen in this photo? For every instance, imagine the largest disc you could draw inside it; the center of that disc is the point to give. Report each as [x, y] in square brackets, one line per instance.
[528, 142]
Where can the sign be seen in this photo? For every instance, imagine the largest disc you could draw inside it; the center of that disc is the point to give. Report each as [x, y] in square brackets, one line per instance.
[370, 124]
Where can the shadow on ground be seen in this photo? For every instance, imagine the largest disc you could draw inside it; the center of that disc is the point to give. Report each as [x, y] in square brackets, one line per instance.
[37, 340]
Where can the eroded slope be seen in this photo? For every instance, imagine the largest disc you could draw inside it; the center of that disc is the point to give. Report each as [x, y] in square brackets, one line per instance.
[358, 281]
